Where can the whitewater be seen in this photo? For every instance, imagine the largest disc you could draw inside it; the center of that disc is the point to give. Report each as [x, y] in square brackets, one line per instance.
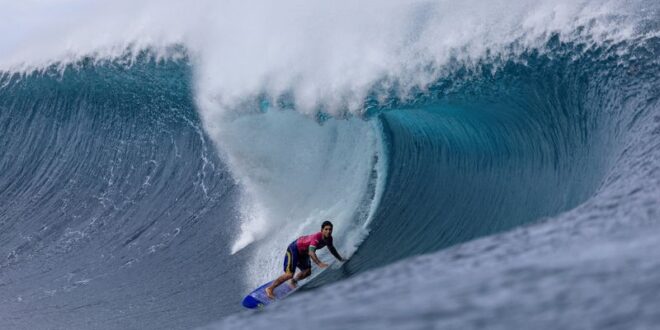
[486, 164]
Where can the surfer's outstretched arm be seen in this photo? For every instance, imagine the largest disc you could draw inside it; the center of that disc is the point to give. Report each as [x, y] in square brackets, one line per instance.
[335, 253]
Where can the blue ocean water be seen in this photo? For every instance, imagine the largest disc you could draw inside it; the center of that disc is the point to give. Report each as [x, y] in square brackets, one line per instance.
[514, 184]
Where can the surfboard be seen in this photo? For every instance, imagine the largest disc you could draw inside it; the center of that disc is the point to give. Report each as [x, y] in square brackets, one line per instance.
[258, 298]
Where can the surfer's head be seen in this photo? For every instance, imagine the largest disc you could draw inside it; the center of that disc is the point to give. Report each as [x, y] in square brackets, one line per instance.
[326, 229]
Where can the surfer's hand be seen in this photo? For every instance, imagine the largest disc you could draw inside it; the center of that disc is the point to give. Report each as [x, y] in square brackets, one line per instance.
[323, 265]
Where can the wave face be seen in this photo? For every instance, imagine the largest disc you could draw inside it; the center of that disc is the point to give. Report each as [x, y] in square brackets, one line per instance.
[111, 195]
[151, 177]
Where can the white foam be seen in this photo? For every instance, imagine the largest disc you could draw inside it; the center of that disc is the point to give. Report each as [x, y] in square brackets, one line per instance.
[326, 54]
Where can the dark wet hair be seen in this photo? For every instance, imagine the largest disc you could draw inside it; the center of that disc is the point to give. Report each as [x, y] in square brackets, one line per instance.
[326, 223]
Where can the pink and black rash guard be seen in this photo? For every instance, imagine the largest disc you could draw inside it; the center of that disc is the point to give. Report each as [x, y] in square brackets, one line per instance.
[316, 241]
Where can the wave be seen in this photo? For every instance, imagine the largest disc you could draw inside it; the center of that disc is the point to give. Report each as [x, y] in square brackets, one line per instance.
[173, 157]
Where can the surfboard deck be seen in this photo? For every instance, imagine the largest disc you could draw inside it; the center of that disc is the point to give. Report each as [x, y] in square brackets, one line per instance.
[258, 298]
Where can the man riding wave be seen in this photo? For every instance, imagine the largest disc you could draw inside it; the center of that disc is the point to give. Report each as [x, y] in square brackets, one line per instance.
[298, 255]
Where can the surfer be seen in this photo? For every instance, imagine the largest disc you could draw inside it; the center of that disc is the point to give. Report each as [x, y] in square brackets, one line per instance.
[298, 254]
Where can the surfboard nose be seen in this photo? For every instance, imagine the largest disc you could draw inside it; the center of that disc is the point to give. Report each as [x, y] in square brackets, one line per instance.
[251, 302]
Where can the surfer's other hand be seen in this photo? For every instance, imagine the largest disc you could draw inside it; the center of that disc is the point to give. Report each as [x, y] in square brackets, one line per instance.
[323, 265]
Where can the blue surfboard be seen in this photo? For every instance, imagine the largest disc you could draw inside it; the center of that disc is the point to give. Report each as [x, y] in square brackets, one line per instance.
[258, 298]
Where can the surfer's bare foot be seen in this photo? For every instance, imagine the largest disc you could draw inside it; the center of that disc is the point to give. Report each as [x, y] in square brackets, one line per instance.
[293, 283]
[269, 293]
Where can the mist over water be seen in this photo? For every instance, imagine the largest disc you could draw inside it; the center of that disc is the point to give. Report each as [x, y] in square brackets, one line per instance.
[157, 158]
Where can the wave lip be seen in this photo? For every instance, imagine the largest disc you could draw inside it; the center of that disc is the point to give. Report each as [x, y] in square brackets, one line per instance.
[238, 51]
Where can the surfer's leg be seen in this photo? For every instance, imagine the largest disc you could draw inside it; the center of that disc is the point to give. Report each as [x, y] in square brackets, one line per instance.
[305, 267]
[290, 262]
[303, 274]
[269, 290]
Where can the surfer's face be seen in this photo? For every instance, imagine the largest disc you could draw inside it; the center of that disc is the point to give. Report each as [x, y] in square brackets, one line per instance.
[326, 231]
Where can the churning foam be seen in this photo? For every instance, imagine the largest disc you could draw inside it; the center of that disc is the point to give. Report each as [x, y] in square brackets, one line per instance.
[323, 54]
